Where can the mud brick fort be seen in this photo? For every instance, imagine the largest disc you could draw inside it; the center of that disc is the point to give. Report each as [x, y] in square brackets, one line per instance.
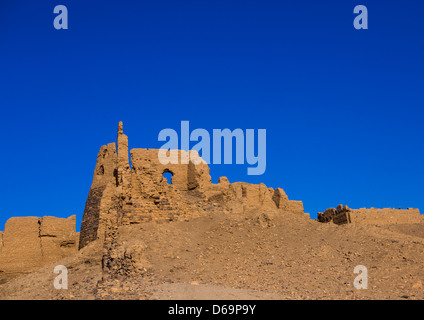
[122, 195]
[129, 188]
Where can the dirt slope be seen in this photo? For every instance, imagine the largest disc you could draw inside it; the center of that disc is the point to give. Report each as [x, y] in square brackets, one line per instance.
[84, 270]
[253, 257]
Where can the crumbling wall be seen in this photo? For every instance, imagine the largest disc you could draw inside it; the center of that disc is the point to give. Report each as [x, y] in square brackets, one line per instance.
[58, 238]
[385, 216]
[252, 194]
[1, 241]
[22, 245]
[122, 194]
[282, 201]
[371, 216]
[105, 174]
[147, 166]
[28, 243]
[91, 216]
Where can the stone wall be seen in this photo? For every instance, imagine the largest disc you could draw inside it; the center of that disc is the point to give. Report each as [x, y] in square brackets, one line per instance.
[1, 241]
[385, 216]
[91, 216]
[105, 176]
[371, 216]
[28, 243]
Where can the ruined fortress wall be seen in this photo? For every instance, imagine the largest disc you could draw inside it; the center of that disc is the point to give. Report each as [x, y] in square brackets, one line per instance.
[91, 216]
[145, 194]
[282, 201]
[294, 206]
[122, 194]
[28, 243]
[58, 238]
[146, 165]
[385, 216]
[185, 175]
[105, 173]
[254, 194]
[21, 245]
[371, 216]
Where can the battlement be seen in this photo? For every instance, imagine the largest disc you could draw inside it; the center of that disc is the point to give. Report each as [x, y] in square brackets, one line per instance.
[122, 194]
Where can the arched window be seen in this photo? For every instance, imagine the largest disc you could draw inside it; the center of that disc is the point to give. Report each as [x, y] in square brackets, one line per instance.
[168, 175]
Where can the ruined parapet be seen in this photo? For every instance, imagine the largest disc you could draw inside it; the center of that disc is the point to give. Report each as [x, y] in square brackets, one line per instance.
[28, 243]
[254, 195]
[295, 206]
[240, 197]
[371, 216]
[282, 201]
[385, 216]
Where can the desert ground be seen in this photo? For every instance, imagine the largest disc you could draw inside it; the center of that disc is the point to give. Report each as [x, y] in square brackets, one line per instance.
[226, 256]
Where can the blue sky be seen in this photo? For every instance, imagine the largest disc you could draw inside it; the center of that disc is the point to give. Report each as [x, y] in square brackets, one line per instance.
[343, 108]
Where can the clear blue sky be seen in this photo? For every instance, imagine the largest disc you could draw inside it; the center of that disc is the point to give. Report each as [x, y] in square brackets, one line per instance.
[343, 108]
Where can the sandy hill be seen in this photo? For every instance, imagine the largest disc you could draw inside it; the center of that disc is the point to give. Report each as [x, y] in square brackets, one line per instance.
[233, 257]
